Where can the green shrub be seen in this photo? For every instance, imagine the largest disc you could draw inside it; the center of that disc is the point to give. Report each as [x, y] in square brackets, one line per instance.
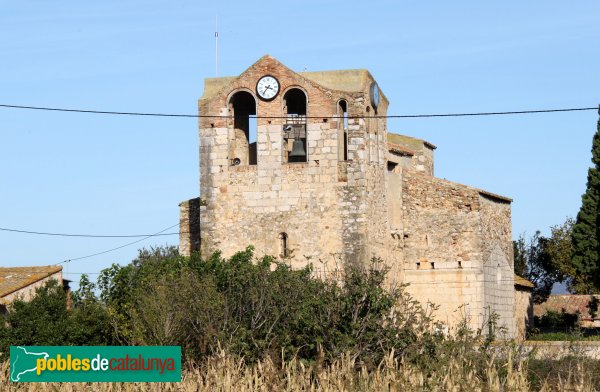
[255, 308]
[46, 321]
[557, 322]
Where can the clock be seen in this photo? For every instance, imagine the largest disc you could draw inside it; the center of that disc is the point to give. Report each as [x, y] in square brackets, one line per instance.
[267, 87]
[374, 92]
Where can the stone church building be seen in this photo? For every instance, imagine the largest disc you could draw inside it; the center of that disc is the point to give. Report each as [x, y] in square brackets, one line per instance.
[319, 178]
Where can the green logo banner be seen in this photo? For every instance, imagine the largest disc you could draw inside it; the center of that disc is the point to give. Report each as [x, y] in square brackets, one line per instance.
[95, 363]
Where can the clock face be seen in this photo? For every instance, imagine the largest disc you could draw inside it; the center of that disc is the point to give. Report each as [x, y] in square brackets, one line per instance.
[267, 87]
[374, 95]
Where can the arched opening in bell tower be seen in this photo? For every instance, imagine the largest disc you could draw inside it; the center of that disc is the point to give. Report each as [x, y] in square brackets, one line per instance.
[294, 138]
[242, 147]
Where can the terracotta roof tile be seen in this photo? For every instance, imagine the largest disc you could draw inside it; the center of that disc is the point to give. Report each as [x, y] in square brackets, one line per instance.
[399, 149]
[409, 141]
[569, 303]
[16, 278]
[520, 281]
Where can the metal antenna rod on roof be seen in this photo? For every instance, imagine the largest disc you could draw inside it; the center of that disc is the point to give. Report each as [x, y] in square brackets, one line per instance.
[216, 46]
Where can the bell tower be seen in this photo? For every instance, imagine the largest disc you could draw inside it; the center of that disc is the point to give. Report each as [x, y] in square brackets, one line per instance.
[293, 164]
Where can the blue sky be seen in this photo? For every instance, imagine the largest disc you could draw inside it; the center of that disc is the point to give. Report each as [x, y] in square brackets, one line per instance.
[79, 173]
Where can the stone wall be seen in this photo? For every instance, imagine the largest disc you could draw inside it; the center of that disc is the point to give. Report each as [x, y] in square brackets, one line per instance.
[523, 312]
[189, 226]
[450, 242]
[331, 211]
[442, 247]
[556, 350]
[497, 257]
[419, 151]
[457, 250]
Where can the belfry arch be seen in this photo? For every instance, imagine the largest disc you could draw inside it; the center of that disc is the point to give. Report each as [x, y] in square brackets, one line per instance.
[242, 149]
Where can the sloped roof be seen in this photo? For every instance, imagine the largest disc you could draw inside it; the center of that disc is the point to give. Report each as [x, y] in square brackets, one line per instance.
[569, 303]
[213, 85]
[16, 278]
[351, 80]
[399, 149]
[408, 141]
[520, 281]
[346, 80]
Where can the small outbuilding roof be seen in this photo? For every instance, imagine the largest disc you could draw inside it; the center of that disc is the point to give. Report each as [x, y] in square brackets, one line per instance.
[522, 282]
[411, 142]
[15, 278]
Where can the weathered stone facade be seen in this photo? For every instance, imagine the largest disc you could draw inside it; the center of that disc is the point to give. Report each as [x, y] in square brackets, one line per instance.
[523, 307]
[357, 192]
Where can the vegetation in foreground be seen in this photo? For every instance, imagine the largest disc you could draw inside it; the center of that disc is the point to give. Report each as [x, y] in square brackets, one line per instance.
[223, 372]
[247, 324]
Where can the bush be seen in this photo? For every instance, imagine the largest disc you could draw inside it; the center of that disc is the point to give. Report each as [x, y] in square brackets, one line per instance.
[257, 308]
[46, 321]
[557, 322]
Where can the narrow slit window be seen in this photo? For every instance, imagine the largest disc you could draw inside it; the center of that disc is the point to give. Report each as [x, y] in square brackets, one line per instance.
[283, 245]
[343, 130]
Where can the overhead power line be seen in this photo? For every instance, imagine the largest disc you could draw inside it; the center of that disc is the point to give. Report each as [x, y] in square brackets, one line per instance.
[118, 247]
[498, 113]
[86, 235]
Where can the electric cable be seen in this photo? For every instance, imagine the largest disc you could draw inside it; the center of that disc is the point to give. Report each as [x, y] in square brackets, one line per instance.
[107, 112]
[86, 235]
[117, 248]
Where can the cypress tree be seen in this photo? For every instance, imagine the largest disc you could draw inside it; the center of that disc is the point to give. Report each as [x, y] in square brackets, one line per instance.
[586, 231]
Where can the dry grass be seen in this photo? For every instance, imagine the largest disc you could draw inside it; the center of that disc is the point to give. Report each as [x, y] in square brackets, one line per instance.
[227, 373]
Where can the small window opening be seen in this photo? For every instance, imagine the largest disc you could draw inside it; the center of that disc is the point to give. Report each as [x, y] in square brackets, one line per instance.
[294, 138]
[432, 265]
[418, 265]
[242, 149]
[283, 245]
[459, 264]
[391, 166]
[343, 130]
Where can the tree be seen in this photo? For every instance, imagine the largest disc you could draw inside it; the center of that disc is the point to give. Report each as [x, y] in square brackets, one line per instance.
[546, 260]
[560, 251]
[535, 265]
[258, 306]
[46, 321]
[586, 232]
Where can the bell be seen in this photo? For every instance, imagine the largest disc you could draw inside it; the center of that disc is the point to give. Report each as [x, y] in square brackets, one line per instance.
[298, 149]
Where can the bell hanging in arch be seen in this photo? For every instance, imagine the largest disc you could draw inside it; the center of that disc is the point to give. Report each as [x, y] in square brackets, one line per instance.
[298, 149]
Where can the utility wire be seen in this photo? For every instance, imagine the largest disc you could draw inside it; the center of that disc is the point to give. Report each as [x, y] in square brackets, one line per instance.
[87, 235]
[285, 117]
[119, 247]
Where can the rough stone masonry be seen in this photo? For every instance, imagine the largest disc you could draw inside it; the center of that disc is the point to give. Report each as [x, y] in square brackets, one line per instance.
[317, 178]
